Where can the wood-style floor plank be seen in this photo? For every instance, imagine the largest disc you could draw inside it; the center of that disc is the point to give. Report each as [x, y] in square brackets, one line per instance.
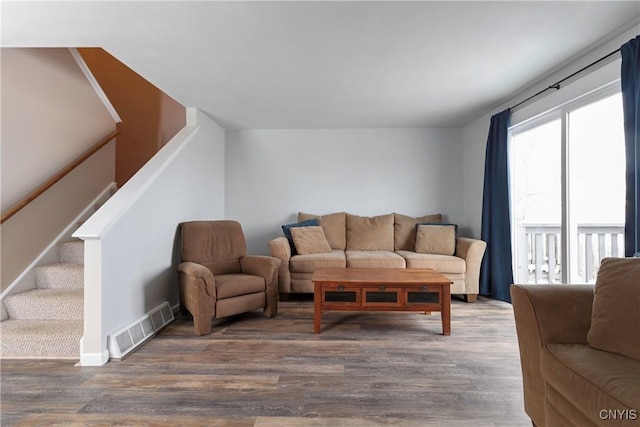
[364, 369]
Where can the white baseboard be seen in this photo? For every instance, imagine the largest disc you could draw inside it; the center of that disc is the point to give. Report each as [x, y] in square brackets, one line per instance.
[92, 359]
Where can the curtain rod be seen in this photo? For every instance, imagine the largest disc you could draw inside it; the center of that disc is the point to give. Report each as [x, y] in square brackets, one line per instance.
[556, 85]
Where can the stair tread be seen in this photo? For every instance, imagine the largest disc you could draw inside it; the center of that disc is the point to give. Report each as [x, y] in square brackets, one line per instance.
[46, 304]
[40, 338]
[62, 275]
[46, 293]
[50, 327]
[71, 265]
[76, 242]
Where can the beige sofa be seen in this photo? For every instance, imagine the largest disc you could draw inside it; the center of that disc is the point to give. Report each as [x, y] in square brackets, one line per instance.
[384, 241]
[580, 349]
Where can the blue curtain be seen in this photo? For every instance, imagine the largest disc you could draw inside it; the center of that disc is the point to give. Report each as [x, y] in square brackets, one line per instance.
[630, 74]
[496, 274]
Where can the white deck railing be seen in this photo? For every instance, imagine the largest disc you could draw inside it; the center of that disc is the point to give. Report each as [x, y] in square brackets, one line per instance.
[539, 250]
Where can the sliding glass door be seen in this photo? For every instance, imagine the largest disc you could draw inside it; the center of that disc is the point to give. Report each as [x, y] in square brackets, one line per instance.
[568, 191]
[536, 185]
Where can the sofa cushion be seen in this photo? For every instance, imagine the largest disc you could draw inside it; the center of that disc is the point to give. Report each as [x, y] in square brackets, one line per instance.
[404, 230]
[286, 229]
[436, 239]
[333, 225]
[233, 285]
[370, 233]
[615, 319]
[301, 283]
[590, 379]
[374, 259]
[440, 263]
[310, 240]
[307, 263]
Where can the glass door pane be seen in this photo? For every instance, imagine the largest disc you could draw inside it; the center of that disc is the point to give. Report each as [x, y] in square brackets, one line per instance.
[596, 186]
[536, 184]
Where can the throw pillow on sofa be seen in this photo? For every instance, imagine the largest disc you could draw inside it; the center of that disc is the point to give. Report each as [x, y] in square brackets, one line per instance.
[404, 230]
[436, 239]
[310, 240]
[333, 225]
[615, 318]
[286, 229]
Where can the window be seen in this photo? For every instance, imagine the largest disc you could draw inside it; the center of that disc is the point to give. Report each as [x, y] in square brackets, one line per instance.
[568, 190]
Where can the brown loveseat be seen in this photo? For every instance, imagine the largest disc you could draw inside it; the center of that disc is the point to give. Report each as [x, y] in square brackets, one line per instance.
[384, 241]
[580, 350]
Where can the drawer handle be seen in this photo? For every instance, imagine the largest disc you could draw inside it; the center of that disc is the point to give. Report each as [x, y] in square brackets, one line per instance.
[382, 288]
[423, 288]
[341, 287]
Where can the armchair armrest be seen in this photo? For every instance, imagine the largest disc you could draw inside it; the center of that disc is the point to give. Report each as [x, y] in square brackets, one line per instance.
[472, 251]
[547, 314]
[197, 295]
[198, 277]
[260, 265]
[266, 267]
[279, 248]
[553, 314]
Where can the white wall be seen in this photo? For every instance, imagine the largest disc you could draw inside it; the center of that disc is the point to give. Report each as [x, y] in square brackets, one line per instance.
[474, 135]
[273, 174]
[26, 234]
[50, 115]
[131, 251]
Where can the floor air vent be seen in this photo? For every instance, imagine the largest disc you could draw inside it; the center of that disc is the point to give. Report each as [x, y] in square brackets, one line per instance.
[130, 337]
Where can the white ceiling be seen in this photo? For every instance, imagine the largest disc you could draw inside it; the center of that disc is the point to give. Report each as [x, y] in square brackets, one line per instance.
[286, 65]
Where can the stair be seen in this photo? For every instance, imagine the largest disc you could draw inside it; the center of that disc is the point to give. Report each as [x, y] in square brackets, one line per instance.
[47, 322]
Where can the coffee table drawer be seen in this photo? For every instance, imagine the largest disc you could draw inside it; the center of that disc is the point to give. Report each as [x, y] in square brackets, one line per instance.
[423, 296]
[382, 296]
[340, 296]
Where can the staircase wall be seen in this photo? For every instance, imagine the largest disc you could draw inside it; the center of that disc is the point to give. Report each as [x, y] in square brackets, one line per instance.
[131, 245]
[150, 117]
[40, 135]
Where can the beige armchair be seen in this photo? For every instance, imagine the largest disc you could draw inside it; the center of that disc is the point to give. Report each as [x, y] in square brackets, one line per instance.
[580, 348]
[218, 278]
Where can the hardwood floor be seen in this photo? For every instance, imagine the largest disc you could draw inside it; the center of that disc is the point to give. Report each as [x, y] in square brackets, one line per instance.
[364, 369]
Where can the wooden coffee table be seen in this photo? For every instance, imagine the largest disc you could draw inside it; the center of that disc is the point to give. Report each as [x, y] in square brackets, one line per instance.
[381, 289]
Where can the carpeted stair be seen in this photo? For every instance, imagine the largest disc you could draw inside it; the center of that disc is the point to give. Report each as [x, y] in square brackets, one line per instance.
[46, 322]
